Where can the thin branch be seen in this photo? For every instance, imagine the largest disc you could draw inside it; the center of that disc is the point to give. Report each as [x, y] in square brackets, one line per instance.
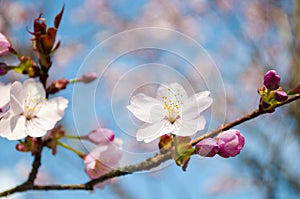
[36, 162]
[24, 187]
[241, 120]
[144, 165]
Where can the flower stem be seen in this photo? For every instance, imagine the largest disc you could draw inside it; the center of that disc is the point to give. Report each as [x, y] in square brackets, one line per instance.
[72, 81]
[66, 146]
[73, 137]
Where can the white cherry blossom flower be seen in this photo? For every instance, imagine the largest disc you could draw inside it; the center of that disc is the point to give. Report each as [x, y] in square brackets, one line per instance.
[30, 113]
[4, 99]
[172, 111]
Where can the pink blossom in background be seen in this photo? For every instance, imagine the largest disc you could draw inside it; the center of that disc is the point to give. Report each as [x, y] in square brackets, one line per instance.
[102, 160]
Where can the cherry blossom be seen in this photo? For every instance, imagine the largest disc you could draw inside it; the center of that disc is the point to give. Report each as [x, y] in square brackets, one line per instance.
[30, 113]
[172, 111]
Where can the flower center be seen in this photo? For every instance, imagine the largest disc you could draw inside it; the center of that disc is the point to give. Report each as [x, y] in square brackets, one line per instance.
[172, 104]
[31, 107]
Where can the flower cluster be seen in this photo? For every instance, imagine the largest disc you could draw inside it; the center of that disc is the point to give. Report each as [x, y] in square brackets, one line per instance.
[104, 157]
[227, 144]
[28, 115]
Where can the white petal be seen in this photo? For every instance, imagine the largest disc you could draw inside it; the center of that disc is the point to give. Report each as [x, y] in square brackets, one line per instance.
[5, 124]
[34, 128]
[17, 125]
[5, 94]
[195, 105]
[149, 132]
[34, 89]
[17, 97]
[190, 127]
[146, 109]
[173, 91]
[51, 112]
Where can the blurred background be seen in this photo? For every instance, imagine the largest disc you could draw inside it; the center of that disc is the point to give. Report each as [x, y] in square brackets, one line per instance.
[243, 38]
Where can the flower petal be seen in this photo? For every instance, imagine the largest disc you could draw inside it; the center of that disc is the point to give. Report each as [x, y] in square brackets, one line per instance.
[34, 89]
[17, 125]
[195, 105]
[17, 97]
[149, 132]
[190, 127]
[173, 91]
[51, 112]
[5, 124]
[34, 128]
[146, 109]
[5, 94]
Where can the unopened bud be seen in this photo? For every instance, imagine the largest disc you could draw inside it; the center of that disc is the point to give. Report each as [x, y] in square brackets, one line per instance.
[88, 77]
[230, 143]
[28, 145]
[58, 85]
[280, 96]
[272, 80]
[207, 147]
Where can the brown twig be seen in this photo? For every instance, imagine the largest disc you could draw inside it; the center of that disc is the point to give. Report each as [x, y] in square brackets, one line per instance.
[144, 165]
[36, 162]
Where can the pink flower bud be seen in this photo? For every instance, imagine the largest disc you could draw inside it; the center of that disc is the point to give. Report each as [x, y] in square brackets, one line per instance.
[88, 77]
[101, 136]
[20, 147]
[28, 145]
[58, 85]
[4, 45]
[272, 80]
[280, 96]
[207, 147]
[61, 83]
[230, 143]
